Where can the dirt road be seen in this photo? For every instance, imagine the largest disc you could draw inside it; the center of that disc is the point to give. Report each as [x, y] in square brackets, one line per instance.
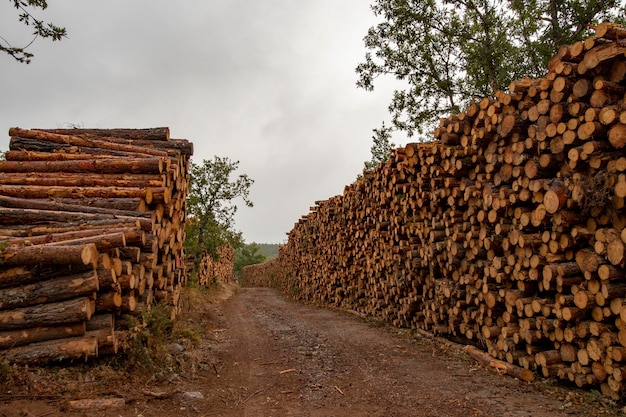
[262, 355]
[279, 358]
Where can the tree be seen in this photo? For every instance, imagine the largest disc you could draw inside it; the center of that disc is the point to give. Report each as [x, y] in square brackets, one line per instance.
[448, 52]
[211, 206]
[40, 29]
[381, 147]
[247, 255]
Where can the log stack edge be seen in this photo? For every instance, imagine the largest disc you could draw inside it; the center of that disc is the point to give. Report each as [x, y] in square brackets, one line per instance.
[507, 231]
[221, 270]
[91, 228]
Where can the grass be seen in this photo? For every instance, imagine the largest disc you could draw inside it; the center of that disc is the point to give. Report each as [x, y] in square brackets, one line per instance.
[153, 346]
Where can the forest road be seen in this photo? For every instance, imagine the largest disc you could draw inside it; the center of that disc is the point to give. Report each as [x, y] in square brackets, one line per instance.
[260, 354]
[277, 358]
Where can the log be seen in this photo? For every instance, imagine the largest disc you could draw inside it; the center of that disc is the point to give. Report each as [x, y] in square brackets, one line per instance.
[42, 315]
[23, 275]
[51, 255]
[83, 142]
[125, 204]
[94, 404]
[104, 242]
[97, 166]
[101, 321]
[155, 138]
[612, 31]
[597, 55]
[13, 338]
[34, 191]
[152, 134]
[64, 179]
[58, 289]
[617, 136]
[37, 145]
[31, 155]
[20, 216]
[498, 365]
[101, 326]
[123, 234]
[76, 348]
[108, 302]
[72, 226]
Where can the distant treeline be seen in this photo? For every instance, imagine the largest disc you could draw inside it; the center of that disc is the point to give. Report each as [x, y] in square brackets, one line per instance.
[269, 250]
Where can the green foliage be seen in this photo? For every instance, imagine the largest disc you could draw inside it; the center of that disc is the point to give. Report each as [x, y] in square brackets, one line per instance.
[144, 349]
[247, 255]
[450, 52]
[211, 206]
[39, 27]
[6, 371]
[381, 147]
[3, 245]
[269, 250]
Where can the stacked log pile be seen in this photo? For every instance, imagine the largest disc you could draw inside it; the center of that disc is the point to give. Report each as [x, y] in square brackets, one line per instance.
[91, 228]
[507, 231]
[211, 270]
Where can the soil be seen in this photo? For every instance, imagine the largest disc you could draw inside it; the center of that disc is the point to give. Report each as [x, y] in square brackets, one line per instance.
[260, 354]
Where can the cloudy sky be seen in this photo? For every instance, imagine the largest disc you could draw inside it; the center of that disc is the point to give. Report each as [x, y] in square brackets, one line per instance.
[268, 83]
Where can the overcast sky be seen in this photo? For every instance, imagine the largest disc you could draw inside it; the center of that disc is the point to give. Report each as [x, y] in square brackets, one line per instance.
[269, 83]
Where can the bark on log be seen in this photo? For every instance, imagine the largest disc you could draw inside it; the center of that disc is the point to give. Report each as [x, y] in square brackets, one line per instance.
[101, 326]
[81, 180]
[103, 243]
[152, 133]
[498, 365]
[98, 166]
[58, 289]
[23, 275]
[51, 255]
[75, 206]
[64, 312]
[21, 231]
[21, 216]
[124, 204]
[13, 338]
[130, 234]
[34, 191]
[80, 348]
[96, 404]
[31, 155]
[82, 142]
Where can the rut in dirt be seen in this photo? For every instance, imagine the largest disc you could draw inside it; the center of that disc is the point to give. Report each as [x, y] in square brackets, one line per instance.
[276, 357]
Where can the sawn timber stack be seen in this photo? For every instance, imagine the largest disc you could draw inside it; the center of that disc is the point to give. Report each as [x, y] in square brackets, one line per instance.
[507, 231]
[91, 226]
